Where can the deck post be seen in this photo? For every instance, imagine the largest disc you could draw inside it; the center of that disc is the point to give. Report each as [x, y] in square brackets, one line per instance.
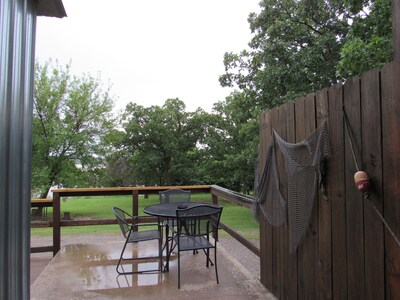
[214, 199]
[135, 204]
[56, 223]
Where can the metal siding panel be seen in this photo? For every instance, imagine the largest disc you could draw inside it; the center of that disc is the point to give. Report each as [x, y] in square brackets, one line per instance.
[17, 35]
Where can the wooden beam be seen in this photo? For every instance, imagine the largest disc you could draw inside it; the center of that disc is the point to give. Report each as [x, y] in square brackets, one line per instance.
[240, 239]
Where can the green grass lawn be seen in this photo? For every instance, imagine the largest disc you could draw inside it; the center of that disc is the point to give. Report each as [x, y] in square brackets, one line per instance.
[235, 216]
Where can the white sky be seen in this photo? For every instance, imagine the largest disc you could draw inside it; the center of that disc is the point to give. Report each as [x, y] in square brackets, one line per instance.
[149, 50]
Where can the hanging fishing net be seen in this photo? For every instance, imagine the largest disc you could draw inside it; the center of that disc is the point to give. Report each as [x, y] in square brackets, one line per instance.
[303, 165]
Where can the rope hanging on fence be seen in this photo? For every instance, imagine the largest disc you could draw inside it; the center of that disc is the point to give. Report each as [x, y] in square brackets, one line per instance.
[361, 178]
[303, 164]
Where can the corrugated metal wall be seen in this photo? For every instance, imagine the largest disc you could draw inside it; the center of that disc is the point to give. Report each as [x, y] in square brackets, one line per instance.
[17, 43]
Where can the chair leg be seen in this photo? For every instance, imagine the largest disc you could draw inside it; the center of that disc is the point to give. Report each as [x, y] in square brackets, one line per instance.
[215, 263]
[179, 269]
[208, 257]
[120, 259]
[160, 251]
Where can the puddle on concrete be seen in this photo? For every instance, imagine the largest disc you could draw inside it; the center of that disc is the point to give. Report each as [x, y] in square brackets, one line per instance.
[105, 277]
[97, 269]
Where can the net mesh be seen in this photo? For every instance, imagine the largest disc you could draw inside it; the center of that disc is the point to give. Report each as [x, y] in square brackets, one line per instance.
[304, 166]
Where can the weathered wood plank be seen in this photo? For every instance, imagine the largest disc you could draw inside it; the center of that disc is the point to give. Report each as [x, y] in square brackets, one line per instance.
[56, 223]
[42, 249]
[302, 278]
[291, 284]
[42, 202]
[324, 264]
[309, 246]
[240, 239]
[234, 197]
[313, 231]
[336, 193]
[372, 163]
[354, 201]
[390, 75]
[265, 227]
[110, 191]
[275, 230]
[281, 232]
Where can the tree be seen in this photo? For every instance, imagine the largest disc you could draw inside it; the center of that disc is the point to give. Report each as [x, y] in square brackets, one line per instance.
[369, 42]
[294, 50]
[298, 46]
[71, 118]
[163, 142]
[231, 143]
[119, 170]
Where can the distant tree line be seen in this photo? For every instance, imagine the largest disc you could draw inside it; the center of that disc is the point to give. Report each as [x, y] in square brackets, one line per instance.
[298, 46]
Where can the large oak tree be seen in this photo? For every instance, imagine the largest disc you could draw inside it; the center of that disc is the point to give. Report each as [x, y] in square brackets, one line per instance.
[163, 142]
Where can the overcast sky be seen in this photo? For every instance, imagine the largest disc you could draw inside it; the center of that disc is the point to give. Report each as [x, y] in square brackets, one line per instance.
[149, 50]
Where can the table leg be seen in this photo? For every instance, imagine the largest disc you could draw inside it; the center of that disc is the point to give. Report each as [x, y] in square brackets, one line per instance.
[166, 268]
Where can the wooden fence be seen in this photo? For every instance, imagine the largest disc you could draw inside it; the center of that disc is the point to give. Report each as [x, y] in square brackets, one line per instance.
[347, 252]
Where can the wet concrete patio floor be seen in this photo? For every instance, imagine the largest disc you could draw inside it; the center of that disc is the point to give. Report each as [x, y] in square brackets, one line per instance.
[87, 271]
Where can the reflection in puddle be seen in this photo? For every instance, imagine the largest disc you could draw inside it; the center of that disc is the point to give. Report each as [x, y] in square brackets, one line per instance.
[86, 252]
[105, 277]
[98, 265]
[140, 279]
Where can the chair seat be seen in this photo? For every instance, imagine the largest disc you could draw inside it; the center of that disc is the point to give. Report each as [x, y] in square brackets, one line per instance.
[140, 236]
[187, 243]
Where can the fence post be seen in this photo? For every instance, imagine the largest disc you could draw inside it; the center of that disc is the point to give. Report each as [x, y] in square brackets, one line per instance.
[56, 223]
[135, 204]
[214, 199]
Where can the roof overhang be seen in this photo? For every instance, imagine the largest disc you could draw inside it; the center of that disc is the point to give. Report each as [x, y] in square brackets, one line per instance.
[51, 8]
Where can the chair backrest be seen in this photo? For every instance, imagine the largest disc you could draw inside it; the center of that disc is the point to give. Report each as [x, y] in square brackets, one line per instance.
[174, 196]
[198, 220]
[122, 218]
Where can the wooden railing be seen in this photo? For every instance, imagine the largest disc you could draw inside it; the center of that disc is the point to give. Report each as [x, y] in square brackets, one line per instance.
[246, 201]
[57, 222]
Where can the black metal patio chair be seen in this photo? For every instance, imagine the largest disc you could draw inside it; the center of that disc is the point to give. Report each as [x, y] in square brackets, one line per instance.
[194, 227]
[173, 196]
[131, 230]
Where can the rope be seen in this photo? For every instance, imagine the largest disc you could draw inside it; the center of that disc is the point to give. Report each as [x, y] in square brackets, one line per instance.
[366, 195]
[346, 120]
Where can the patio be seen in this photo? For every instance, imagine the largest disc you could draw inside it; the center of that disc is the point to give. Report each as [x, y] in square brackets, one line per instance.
[86, 270]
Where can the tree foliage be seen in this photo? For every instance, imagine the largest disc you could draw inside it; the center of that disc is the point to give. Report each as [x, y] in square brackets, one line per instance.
[369, 41]
[71, 117]
[231, 143]
[294, 47]
[163, 142]
[300, 46]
